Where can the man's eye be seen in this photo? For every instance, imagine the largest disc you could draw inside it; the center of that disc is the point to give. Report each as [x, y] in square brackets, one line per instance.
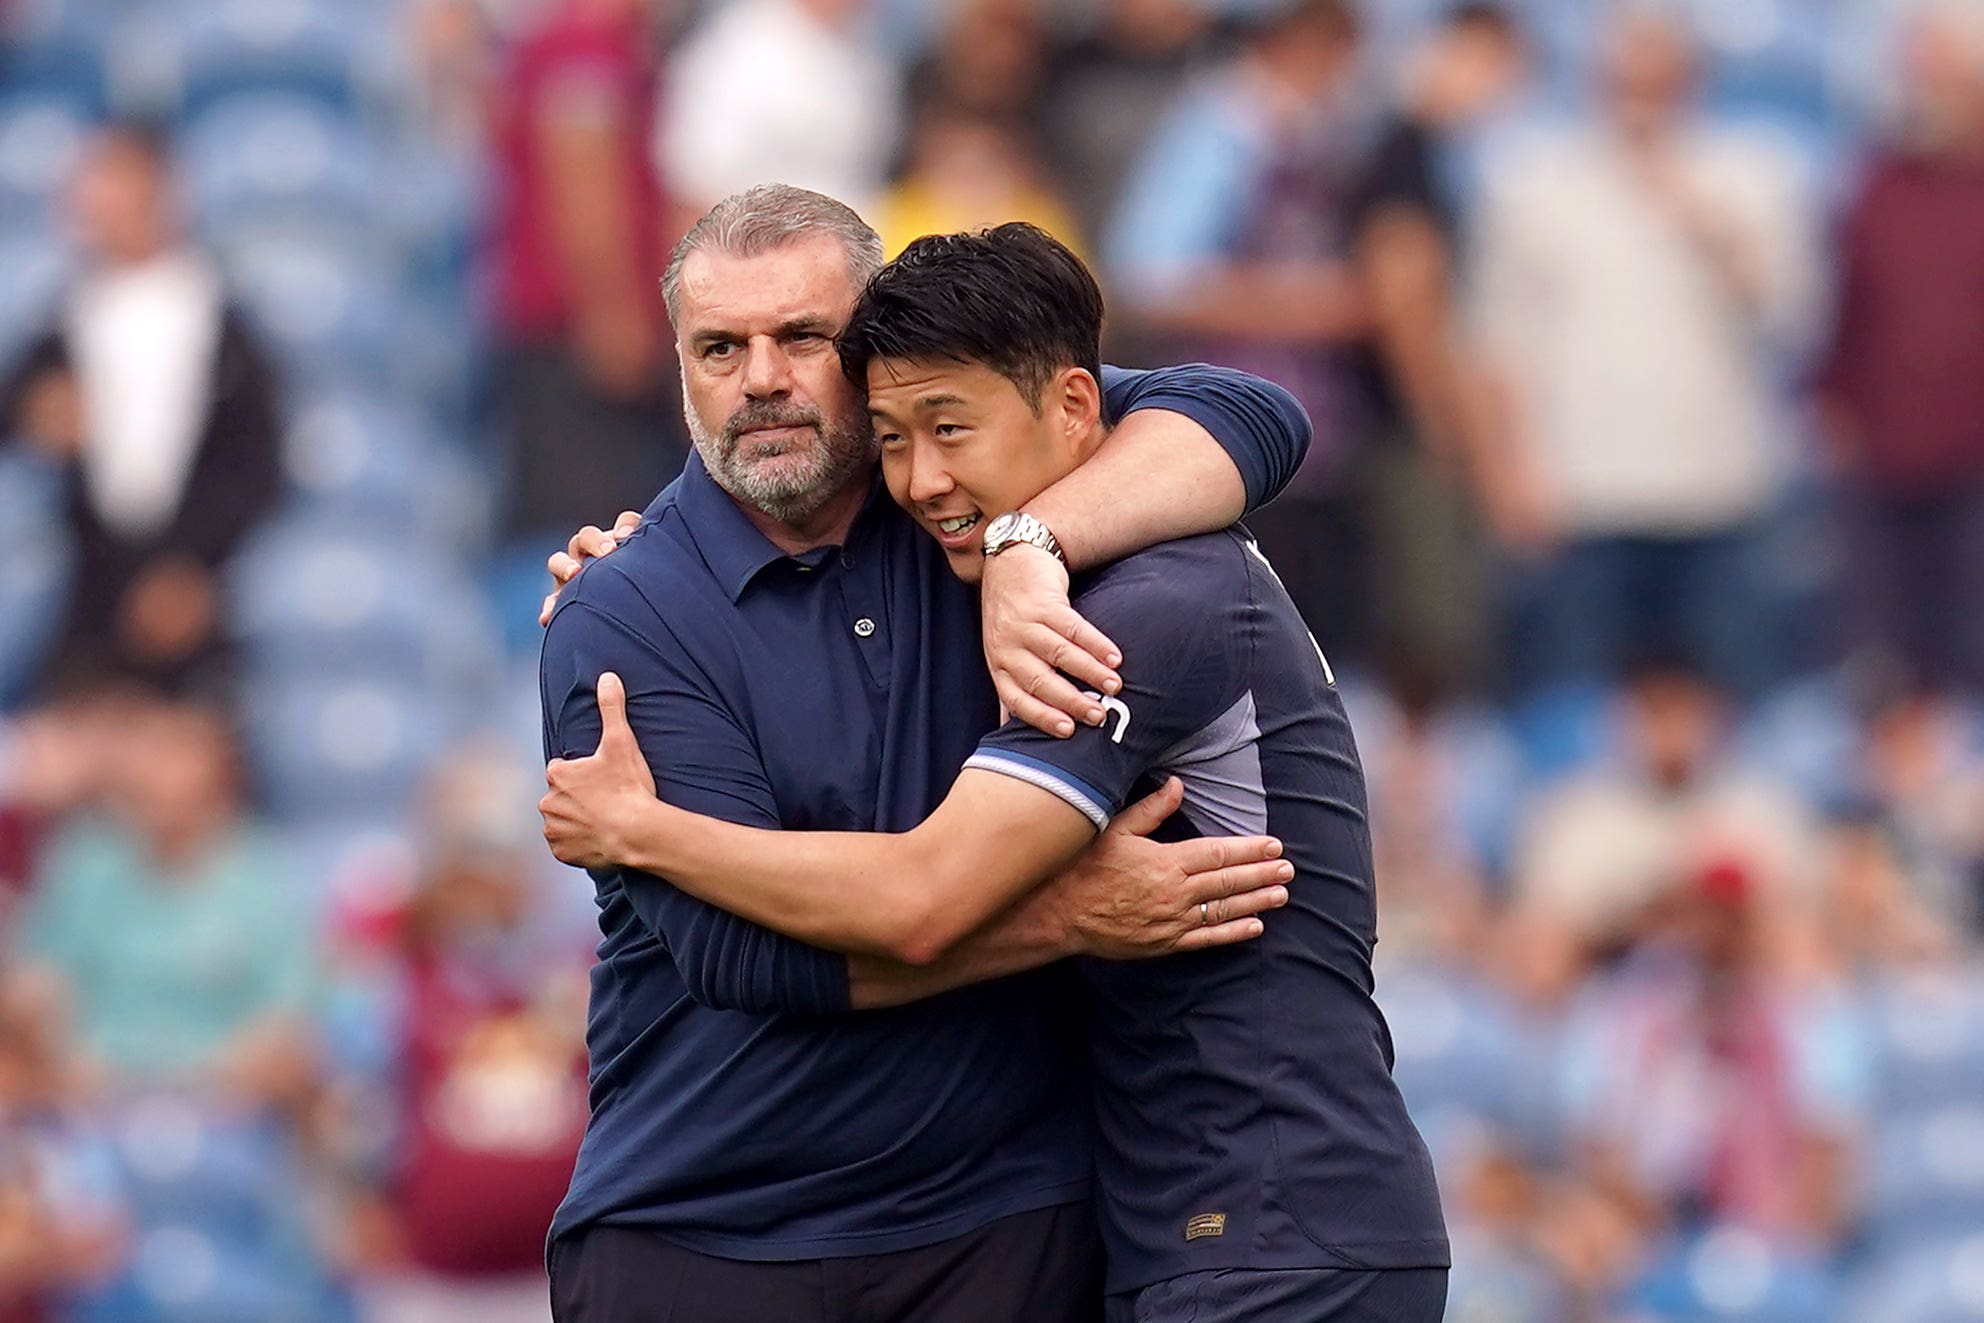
[721, 349]
[948, 431]
[890, 440]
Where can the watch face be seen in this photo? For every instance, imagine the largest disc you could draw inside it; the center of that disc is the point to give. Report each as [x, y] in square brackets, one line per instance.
[1000, 529]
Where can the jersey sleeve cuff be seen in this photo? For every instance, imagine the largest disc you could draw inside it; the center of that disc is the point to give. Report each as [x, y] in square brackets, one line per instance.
[1086, 799]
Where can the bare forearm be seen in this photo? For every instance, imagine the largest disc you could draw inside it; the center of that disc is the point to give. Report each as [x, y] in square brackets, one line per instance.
[1160, 476]
[909, 897]
[1033, 933]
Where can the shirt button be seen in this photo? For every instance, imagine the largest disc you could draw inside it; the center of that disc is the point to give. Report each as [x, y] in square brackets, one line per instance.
[864, 627]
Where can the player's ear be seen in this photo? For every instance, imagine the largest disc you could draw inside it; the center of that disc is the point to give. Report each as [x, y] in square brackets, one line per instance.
[1079, 396]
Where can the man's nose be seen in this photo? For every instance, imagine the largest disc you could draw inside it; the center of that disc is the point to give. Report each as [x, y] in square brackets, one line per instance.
[929, 478]
[767, 370]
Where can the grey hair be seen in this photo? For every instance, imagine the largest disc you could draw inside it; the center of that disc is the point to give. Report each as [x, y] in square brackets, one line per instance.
[769, 216]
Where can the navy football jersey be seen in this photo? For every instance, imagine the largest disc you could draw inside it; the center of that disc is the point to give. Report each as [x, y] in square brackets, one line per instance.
[1245, 1101]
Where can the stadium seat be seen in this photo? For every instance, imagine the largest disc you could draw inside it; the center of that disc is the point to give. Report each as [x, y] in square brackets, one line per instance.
[32, 269]
[40, 140]
[1728, 1275]
[1925, 1176]
[327, 306]
[1466, 1056]
[1928, 1033]
[229, 48]
[357, 746]
[273, 156]
[1938, 1281]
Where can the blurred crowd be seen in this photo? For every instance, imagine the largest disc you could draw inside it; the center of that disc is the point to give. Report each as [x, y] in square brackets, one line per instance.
[1644, 524]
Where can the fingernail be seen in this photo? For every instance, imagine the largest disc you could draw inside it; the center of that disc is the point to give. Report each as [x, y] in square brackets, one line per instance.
[1095, 716]
[1112, 684]
[1280, 895]
[1064, 727]
[1274, 849]
[1114, 659]
[1286, 872]
[1254, 928]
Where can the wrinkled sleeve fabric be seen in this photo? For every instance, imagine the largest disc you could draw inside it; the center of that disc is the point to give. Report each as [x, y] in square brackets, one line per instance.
[703, 760]
[1262, 427]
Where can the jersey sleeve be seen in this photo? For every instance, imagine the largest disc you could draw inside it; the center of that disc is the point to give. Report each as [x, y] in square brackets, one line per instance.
[704, 761]
[1260, 425]
[1181, 669]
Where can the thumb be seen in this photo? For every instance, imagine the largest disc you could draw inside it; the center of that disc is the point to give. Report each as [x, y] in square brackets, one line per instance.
[1147, 814]
[613, 727]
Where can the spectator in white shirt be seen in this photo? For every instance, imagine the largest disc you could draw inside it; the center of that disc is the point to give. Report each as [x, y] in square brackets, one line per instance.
[1641, 281]
[785, 91]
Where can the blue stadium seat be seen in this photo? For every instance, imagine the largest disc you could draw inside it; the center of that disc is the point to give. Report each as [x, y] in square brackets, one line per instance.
[66, 69]
[40, 141]
[328, 306]
[32, 268]
[356, 746]
[1728, 1275]
[1928, 1033]
[1465, 1055]
[1934, 1282]
[229, 48]
[274, 156]
[1925, 1176]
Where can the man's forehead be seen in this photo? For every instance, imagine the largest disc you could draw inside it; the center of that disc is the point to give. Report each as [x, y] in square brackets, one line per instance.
[807, 278]
[912, 382]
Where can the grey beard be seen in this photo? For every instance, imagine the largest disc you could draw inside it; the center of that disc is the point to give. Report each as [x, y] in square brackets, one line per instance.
[792, 497]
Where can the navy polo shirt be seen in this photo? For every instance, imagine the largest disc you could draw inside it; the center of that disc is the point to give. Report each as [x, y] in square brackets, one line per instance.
[1246, 1115]
[738, 1108]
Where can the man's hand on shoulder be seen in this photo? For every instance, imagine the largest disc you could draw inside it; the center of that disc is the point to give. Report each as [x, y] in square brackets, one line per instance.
[1131, 898]
[1036, 643]
[594, 805]
[589, 543]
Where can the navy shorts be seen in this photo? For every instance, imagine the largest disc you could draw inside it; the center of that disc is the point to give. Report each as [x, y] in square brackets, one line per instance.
[1040, 1267]
[1299, 1295]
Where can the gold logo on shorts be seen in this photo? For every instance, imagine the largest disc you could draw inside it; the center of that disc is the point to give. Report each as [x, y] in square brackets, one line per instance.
[1206, 1224]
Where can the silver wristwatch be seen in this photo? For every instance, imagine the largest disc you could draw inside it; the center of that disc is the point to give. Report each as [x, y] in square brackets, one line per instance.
[1010, 529]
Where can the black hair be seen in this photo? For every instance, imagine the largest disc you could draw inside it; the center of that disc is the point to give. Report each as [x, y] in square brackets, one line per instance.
[1012, 298]
[1342, 20]
[148, 137]
[1487, 16]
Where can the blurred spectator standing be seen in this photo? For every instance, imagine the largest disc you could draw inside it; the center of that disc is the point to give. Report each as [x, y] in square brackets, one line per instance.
[1641, 280]
[1109, 88]
[1430, 586]
[487, 1041]
[1902, 389]
[152, 400]
[969, 170]
[1231, 244]
[990, 56]
[578, 246]
[778, 91]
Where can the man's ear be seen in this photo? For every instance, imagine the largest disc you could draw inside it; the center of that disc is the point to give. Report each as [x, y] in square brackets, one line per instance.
[1079, 397]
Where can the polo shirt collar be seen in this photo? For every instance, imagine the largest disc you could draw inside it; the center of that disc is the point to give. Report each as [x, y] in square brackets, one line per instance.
[730, 543]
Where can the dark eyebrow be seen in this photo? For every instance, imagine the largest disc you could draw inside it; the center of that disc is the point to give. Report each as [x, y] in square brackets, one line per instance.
[939, 401]
[804, 325]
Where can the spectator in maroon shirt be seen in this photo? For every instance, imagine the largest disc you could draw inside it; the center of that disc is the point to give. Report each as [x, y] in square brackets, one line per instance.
[578, 249]
[1902, 391]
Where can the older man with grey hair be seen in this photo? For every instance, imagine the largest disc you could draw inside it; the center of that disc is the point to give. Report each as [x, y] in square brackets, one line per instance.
[793, 653]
